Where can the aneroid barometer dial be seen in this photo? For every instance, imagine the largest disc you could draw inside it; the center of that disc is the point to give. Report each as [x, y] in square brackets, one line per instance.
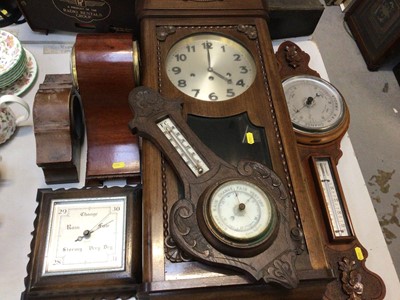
[240, 211]
[86, 243]
[210, 67]
[86, 235]
[315, 106]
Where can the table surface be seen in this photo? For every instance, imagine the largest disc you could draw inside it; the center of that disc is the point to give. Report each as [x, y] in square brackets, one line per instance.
[20, 177]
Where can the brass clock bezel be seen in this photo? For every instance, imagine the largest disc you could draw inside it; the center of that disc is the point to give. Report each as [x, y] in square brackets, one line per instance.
[324, 134]
[213, 74]
[112, 283]
[232, 246]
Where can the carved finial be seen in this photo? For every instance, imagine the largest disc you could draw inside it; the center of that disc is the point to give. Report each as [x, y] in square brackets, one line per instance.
[292, 56]
[351, 279]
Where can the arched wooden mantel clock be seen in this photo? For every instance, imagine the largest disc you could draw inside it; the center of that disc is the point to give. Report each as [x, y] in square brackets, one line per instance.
[217, 58]
[320, 119]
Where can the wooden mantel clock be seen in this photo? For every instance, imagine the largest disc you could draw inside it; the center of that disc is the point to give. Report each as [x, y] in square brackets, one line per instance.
[216, 57]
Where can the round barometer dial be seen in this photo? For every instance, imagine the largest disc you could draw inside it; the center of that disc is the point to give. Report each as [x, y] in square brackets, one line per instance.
[210, 67]
[315, 106]
[240, 212]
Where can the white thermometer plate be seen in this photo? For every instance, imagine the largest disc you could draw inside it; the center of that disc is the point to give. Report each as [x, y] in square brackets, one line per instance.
[336, 212]
[183, 147]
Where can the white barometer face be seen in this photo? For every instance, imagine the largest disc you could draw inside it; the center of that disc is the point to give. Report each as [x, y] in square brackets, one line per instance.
[86, 236]
[315, 106]
[210, 67]
[240, 211]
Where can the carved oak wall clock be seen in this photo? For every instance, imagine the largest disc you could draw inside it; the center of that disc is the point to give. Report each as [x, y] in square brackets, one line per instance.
[320, 119]
[217, 58]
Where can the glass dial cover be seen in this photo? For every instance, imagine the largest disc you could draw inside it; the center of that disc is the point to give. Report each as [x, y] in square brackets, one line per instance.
[240, 211]
[210, 67]
[86, 236]
[315, 106]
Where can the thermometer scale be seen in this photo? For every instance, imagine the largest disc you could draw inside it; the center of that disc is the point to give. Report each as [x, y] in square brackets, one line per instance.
[335, 209]
[183, 147]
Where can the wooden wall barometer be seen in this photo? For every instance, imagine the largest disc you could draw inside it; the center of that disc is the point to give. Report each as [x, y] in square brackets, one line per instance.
[86, 244]
[320, 119]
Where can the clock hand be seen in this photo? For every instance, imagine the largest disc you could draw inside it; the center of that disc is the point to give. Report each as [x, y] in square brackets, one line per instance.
[228, 80]
[208, 56]
[211, 69]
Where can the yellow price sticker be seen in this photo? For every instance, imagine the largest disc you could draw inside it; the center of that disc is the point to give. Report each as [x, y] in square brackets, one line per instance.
[118, 165]
[250, 138]
[359, 253]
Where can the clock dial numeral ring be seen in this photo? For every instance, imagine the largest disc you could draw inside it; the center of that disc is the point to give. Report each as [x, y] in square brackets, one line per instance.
[210, 67]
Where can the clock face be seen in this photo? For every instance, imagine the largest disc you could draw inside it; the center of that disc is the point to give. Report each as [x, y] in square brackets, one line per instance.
[240, 211]
[86, 236]
[210, 67]
[315, 106]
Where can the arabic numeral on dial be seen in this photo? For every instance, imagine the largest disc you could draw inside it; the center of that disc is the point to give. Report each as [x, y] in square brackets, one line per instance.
[116, 208]
[244, 70]
[223, 48]
[237, 57]
[207, 45]
[213, 96]
[180, 57]
[62, 211]
[191, 48]
[182, 83]
[196, 92]
[230, 93]
[240, 83]
[176, 70]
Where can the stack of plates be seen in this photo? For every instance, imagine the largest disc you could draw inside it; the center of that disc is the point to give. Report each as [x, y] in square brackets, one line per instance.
[18, 67]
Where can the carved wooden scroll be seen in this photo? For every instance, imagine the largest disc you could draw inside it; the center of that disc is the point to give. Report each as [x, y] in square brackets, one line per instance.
[293, 61]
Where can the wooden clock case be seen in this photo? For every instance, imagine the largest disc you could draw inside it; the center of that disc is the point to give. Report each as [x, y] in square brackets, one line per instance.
[104, 72]
[167, 271]
[59, 129]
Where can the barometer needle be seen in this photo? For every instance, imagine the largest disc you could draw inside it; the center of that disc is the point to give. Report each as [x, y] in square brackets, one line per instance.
[87, 233]
[307, 103]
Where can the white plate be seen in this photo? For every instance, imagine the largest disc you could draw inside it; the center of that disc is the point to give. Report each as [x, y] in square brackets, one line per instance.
[25, 82]
[10, 51]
